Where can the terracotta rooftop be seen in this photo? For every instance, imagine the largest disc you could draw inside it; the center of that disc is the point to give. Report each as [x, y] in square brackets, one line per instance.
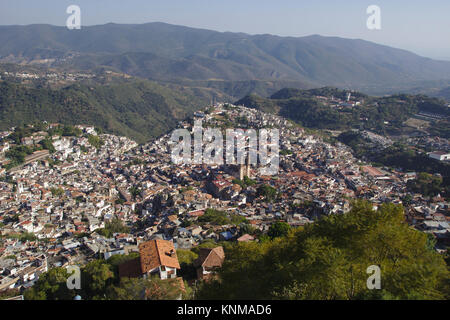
[245, 238]
[210, 257]
[157, 253]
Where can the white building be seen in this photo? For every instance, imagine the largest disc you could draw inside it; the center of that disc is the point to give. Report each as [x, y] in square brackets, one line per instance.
[439, 155]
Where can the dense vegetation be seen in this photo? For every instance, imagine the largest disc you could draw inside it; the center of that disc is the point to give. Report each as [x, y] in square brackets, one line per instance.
[246, 182]
[398, 156]
[112, 227]
[441, 128]
[217, 217]
[95, 141]
[139, 109]
[17, 155]
[328, 260]
[268, 192]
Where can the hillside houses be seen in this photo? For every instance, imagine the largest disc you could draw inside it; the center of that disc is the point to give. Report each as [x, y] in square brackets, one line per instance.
[62, 205]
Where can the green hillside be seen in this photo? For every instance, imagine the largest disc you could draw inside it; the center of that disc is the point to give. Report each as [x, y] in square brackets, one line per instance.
[138, 109]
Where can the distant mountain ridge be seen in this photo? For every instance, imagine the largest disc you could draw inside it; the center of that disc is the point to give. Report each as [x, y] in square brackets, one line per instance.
[165, 52]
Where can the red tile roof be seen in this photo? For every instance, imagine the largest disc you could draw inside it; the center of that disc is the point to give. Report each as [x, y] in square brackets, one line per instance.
[210, 258]
[157, 253]
[197, 213]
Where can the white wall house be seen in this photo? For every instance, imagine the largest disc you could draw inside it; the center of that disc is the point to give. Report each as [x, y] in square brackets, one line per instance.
[441, 156]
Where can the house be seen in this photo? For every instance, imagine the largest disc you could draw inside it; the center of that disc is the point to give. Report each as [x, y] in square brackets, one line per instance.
[208, 261]
[156, 257]
[196, 214]
[439, 155]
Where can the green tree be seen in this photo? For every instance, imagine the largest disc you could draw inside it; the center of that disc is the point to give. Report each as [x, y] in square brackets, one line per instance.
[57, 192]
[114, 226]
[407, 200]
[134, 191]
[48, 145]
[247, 228]
[215, 217]
[278, 229]
[186, 259]
[96, 277]
[70, 131]
[426, 184]
[95, 141]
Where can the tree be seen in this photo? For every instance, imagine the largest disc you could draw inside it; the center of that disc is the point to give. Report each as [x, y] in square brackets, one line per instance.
[247, 229]
[9, 293]
[426, 184]
[70, 131]
[95, 141]
[215, 217]
[186, 259]
[279, 229]
[114, 226]
[134, 191]
[48, 145]
[57, 192]
[27, 236]
[407, 200]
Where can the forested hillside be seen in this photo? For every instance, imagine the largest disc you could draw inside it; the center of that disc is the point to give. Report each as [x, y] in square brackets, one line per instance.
[138, 109]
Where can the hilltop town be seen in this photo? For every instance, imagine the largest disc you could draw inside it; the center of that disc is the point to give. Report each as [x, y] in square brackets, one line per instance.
[83, 195]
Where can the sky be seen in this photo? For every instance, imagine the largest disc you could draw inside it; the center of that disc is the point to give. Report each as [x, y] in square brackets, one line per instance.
[420, 26]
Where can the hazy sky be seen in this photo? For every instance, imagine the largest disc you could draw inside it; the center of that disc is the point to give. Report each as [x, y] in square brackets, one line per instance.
[421, 26]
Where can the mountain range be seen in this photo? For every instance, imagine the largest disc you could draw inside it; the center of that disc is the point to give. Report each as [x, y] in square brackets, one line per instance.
[166, 72]
[196, 57]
